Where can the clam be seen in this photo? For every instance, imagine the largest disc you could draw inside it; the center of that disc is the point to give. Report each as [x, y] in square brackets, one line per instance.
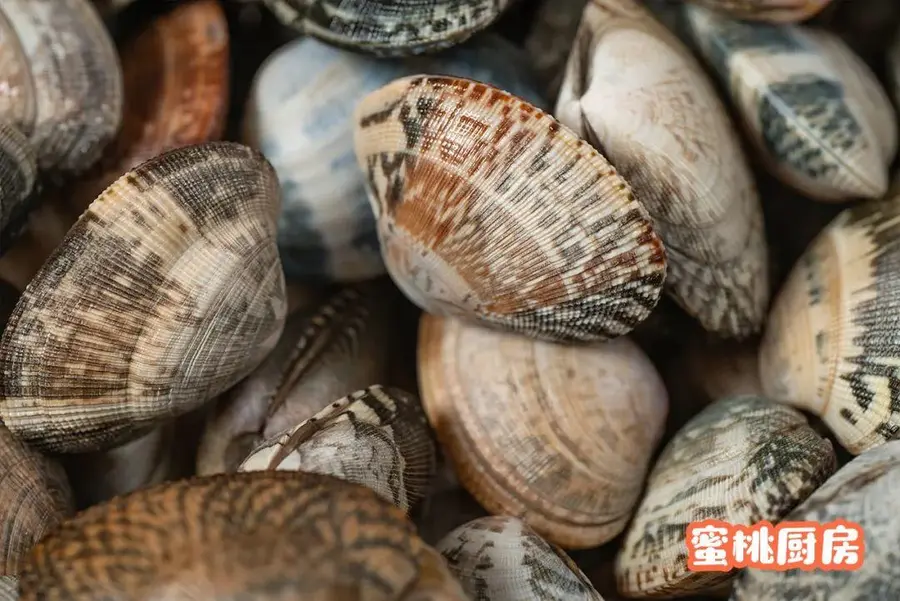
[772, 11]
[262, 535]
[560, 436]
[502, 215]
[299, 114]
[378, 437]
[500, 558]
[742, 460]
[662, 125]
[812, 124]
[18, 177]
[165, 293]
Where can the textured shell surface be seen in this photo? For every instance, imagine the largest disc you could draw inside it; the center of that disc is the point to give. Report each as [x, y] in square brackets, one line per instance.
[299, 115]
[831, 341]
[436, 582]
[560, 436]
[389, 27]
[378, 437]
[861, 493]
[9, 588]
[166, 292]
[803, 114]
[741, 460]
[336, 347]
[662, 125]
[67, 96]
[501, 558]
[772, 11]
[489, 209]
[18, 177]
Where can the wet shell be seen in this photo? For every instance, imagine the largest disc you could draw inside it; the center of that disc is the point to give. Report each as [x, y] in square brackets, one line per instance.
[863, 493]
[741, 460]
[378, 437]
[389, 28]
[804, 115]
[502, 559]
[502, 215]
[64, 80]
[299, 115]
[258, 535]
[18, 177]
[9, 588]
[166, 292]
[340, 346]
[559, 436]
[664, 128]
[773, 11]
[831, 341]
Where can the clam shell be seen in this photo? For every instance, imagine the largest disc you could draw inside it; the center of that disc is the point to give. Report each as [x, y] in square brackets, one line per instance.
[664, 128]
[559, 436]
[500, 558]
[772, 11]
[18, 177]
[299, 114]
[806, 119]
[741, 460]
[502, 215]
[166, 292]
[436, 582]
[378, 437]
[9, 588]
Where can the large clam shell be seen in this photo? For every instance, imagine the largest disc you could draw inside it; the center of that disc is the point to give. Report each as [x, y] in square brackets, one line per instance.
[773, 11]
[18, 177]
[662, 125]
[166, 292]
[488, 208]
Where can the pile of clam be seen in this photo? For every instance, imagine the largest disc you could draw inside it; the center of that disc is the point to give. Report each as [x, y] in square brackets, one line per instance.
[444, 300]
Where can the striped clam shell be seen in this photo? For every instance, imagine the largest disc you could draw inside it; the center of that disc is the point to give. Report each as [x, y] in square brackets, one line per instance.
[831, 341]
[661, 124]
[741, 460]
[299, 114]
[863, 493]
[502, 215]
[378, 437]
[560, 436]
[772, 11]
[812, 124]
[166, 292]
[18, 178]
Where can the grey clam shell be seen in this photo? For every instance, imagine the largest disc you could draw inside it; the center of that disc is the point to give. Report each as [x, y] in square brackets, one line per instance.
[18, 176]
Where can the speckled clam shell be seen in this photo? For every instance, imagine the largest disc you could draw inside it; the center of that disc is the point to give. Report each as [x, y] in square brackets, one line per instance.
[500, 558]
[166, 292]
[804, 116]
[560, 436]
[378, 437]
[502, 215]
[772, 11]
[863, 493]
[389, 28]
[661, 124]
[299, 114]
[9, 588]
[18, 176]
[741, 460]
[831, 341]
[64, 80]
[340, 345]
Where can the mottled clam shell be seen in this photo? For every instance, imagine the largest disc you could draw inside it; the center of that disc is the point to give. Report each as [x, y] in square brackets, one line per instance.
[18, 176]
[831, 341]
[299, 114]
[166, 292]
[378, 437]
[9, 588]
[336, 347]
[502, 215]
[560, 436]
[664, 128]
[772, 11]
[549, 40]
[741, 460]
[63, 80]
[260, 535]
[500, 558]
[805, 118]
[863, 492]
[389, 28]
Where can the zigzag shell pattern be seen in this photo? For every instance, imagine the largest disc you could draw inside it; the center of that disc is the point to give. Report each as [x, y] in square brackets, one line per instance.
[773, 11]
[489, 209]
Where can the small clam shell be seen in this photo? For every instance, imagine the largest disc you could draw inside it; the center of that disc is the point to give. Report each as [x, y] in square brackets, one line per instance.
[500, 558]
[18, 176]
[378, 437]
[166, 292]
[664, 128]
[803, 114]
[773, 11]
[560, 436]
[502, 215]
[9, 588]
[741, 460]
